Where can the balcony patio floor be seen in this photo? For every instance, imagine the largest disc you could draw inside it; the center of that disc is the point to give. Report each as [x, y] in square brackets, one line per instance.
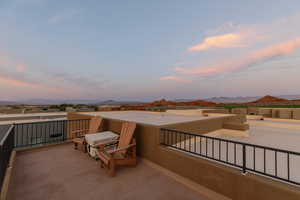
[60, 172]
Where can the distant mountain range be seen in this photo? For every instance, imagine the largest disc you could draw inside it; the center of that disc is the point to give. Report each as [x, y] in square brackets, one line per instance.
[115, 102]
[112, 102]
[246, 99]
[69, 101]
[232, 99]
[8, 103]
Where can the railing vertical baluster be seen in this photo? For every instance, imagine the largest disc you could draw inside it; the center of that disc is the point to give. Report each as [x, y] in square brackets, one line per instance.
[288, 165]
[15, 136]
[63, 129]
[48, 133]
[200, 145]
[52, 125]
[190, 138]
[244, 159]
[34, 135]
[174, 139]
[264, 160]
[178, 140]
[184, 144]
[226, 151]
[167, 137]
[33, 131]
[206, 146]
[27, 135]
[57, 130]
[235, 153]
[180, 134]
[195, 142]
[213, 148]
[275, 163]
[44, 133]
[219, 149]
[171, 138]
[254, 158]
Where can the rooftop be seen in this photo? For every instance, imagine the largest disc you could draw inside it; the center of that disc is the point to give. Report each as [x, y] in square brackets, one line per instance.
[11, 118]
[80, 177]
[152, 118]
[188, 165]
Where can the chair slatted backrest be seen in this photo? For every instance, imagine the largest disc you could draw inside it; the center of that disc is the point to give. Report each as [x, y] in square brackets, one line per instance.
[95, 124]
[126, 135]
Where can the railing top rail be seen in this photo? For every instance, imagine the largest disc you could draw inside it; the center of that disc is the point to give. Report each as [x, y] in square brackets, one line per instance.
[49, 121]
[234, 142]
[6, 135]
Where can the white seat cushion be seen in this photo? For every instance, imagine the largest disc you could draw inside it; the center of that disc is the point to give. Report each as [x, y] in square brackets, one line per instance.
[99, 138]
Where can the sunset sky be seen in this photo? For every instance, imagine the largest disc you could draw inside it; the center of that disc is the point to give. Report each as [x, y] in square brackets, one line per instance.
[145, 50]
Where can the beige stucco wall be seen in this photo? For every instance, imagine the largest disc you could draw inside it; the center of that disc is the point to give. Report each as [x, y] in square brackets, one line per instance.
[296, 114]
[252, 111]
[265, 112]
[240, 111]
[200, 112]
[282, 113]
[220, 178]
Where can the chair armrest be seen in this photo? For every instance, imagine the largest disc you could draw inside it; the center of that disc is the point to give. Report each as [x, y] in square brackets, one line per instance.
[79, 130]
[102, 145]
[122, 149]
[81, 136]
[79, 133]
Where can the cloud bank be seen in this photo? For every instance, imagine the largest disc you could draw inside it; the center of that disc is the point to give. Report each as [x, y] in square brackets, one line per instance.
[254, 44]
[259, 56]
[231, 40]
[22, 77]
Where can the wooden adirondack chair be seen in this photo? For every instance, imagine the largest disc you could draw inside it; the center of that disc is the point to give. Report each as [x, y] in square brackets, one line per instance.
[123, 154]
[95, 126]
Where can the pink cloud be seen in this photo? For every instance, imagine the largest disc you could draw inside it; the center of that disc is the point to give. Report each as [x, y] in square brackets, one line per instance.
[173, 78]
[203, 71]
[253, 58]
[18, 83]
[277, 50]
[40, 87]
[230, 40]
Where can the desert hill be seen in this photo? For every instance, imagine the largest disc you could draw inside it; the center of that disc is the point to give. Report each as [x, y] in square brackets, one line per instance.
[271, 100]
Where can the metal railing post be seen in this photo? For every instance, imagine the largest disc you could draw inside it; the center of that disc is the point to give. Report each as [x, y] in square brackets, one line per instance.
[244, 159]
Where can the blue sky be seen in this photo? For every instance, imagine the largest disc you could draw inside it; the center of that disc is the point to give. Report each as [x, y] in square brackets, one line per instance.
[146, 50]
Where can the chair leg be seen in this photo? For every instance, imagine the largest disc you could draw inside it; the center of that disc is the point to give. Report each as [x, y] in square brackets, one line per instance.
[111, 168]
[84, 148]
[75, 146]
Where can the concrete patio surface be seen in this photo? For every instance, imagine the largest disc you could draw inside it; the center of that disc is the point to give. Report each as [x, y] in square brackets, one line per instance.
[60, 172]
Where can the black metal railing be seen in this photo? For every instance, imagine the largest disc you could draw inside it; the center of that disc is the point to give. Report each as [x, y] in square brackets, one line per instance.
[6, 147]
[271, 162]
[47, 132]
[23, 135]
